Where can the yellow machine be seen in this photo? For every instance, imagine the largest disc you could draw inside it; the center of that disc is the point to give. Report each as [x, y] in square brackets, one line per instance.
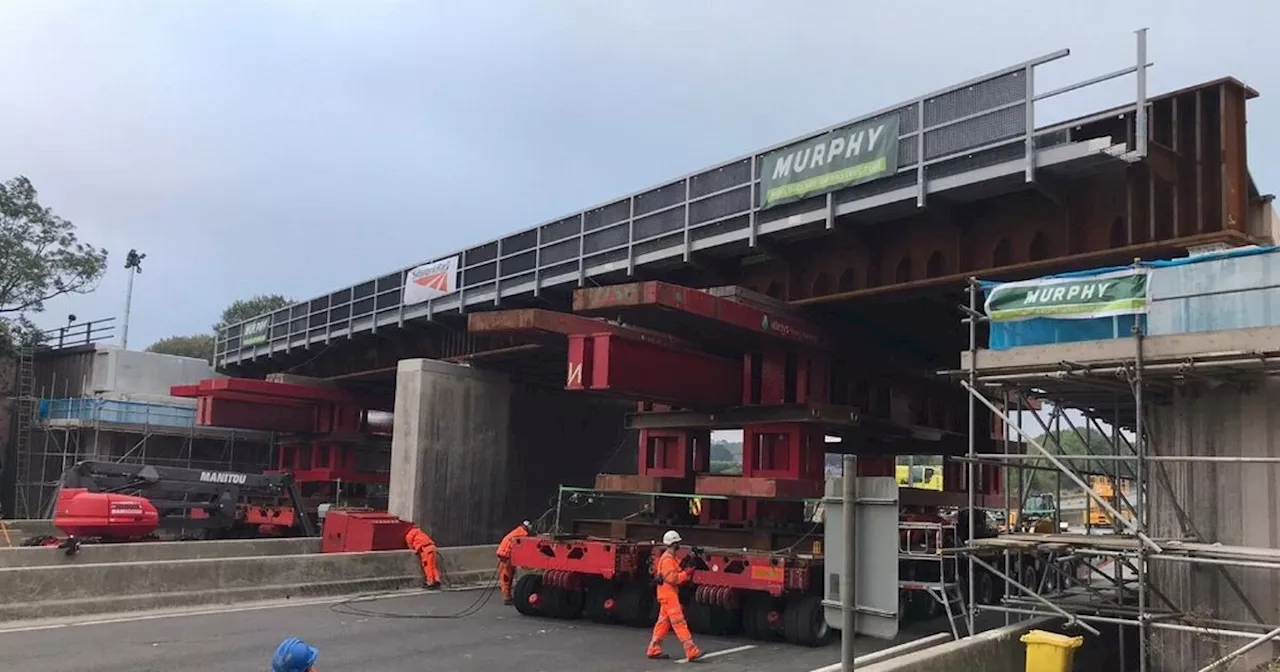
[1102, 487]
[919, 476]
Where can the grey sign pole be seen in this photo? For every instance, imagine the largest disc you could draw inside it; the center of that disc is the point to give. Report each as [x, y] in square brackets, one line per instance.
[849, 587]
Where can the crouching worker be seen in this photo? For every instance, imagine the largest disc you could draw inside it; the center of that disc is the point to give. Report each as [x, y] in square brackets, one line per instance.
[506, 572]
[421, 543]
[294, 655]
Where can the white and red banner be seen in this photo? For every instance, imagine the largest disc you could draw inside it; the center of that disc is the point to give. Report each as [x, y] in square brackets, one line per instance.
[430, 281]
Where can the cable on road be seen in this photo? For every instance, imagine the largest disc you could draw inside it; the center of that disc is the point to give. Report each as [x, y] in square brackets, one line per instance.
[349, 607]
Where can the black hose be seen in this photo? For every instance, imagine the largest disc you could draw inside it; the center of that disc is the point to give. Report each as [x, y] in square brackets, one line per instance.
[348, 606]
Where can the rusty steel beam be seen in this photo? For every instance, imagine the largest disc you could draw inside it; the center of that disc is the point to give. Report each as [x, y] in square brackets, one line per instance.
[645, 371]
[759, 487]
[639, 483]
[754, 538]
[823, 414]
[1032, 269]
[549, 322]
[699, 305]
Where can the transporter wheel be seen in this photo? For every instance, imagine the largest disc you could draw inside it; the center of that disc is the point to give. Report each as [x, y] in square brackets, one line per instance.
[987, 591]
[724, 621]
[759, 616]
[698, 616]
[572, 603]
[1028, 576]
[804, 622]
[562, 603]
[636, 605]
[601, 605]
[526, 587]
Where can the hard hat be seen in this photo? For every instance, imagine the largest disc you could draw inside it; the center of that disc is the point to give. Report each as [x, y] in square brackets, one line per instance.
[294, 655]
[671, 537]
[526, 525]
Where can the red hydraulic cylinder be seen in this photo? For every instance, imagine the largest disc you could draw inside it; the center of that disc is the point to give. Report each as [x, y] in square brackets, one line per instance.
[650, 372]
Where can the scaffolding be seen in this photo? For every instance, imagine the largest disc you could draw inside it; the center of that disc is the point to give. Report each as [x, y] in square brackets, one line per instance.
[1118, 392]
[64, 431]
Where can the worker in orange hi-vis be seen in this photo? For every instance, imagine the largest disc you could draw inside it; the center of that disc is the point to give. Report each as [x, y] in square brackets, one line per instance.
[421, 543]
[669, 575]
[506, 572]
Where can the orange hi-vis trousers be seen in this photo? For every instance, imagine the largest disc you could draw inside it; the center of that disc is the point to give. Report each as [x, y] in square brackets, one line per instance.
[671, 617]
[506, 573]
[430, 572]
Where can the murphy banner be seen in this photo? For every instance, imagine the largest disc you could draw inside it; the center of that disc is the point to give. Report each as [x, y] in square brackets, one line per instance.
[255, 332]
[430, 281]
[1125, 292]
[840, 158]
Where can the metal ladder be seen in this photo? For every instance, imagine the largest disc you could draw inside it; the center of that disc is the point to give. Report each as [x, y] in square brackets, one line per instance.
[951, 598]
[25, 409]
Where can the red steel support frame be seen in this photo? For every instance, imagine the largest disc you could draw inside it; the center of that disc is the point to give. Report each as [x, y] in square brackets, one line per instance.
[550, 322]
[604, 362]
[698, 303]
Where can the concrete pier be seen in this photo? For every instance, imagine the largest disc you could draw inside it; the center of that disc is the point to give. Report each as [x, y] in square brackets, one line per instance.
[474, 453]
[1233, 504]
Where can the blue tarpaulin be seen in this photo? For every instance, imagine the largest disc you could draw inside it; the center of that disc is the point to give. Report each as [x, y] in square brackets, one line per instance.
[1044, 330]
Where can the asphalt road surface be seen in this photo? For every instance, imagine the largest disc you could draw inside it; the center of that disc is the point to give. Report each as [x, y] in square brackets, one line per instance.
[494, 637]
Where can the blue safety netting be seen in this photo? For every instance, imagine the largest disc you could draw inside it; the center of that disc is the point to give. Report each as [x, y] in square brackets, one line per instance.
[1045, 330]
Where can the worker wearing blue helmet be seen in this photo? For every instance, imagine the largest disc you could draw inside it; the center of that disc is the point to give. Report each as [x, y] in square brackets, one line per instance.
[294, 655]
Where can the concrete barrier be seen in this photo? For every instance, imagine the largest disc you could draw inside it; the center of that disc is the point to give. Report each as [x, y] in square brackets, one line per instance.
[993, 651]
[1000, 650]
[77, 589]
[151, 551]
[23, 528]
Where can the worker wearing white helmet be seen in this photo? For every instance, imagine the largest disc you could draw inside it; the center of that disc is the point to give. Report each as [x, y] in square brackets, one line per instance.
[669, 575]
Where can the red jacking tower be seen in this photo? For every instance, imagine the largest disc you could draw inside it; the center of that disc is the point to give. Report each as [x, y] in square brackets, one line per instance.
[323, 437]
[725, 358]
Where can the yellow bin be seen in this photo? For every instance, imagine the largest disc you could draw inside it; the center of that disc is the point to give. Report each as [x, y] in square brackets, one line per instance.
[1049, 651]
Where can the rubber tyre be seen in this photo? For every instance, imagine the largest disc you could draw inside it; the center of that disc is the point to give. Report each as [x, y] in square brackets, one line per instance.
[988, 590]
[698, 616]
[593, 607]
[804, 622]
[635, 602]
[571, 604]
[755, 617]
[524, 588]
[725, 621]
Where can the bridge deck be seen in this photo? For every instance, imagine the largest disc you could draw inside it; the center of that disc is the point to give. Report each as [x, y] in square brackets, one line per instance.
[967, 141]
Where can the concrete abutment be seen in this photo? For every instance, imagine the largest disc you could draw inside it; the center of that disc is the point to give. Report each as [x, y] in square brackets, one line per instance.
[473, 452]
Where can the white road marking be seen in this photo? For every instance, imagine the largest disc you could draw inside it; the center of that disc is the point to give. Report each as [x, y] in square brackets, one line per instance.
[886, 654]
[32, 628]
[724, 652]
[150, 616]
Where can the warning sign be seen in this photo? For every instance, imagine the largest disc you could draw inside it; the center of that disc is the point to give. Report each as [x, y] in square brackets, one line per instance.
[430, 281]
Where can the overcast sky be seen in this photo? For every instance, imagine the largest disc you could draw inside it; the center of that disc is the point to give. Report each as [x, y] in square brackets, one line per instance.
[299, 147]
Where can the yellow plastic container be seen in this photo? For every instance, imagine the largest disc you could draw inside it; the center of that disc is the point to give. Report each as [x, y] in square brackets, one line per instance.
[1049, 651]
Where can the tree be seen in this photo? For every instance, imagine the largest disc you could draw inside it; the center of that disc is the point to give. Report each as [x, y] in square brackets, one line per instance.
[40, 259]
[199, 346]
[202, 345]
[1089, 442]
[245, 309]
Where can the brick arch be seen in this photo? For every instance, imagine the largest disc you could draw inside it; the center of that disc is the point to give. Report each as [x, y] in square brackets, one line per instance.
[1119, 237]
[936, 266]
[821, 284]
[903, 272]
[1002, 253]
[846, 281]
[1038, 248]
